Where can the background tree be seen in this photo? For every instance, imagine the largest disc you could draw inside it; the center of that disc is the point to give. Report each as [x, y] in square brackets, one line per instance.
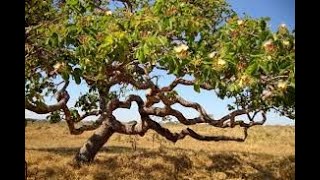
[122, 42]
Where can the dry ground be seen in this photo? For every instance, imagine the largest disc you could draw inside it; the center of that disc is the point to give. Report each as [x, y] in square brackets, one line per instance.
[268, 153]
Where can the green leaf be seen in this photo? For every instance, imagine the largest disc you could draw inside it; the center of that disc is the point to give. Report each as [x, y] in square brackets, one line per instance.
[54, 40]
[170, 23]
[252, 69]
[230, 107]
[263, 25]
[146, 49]
[77, 75]
[72, 2]
[65, 76]
[108, 41]
[141, 56]
[196, 87]
[90, 31]
[176, 71]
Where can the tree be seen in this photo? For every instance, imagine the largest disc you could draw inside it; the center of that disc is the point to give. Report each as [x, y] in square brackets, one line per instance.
[122, 42]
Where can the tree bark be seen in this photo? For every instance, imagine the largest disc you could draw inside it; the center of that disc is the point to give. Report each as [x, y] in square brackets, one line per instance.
[89, 150]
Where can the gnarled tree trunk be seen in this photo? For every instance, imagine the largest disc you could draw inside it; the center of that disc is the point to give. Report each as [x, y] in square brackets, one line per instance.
[88, 151]
[111, 125]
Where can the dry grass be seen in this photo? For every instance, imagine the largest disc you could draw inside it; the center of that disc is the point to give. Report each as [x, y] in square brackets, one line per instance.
[268, 153]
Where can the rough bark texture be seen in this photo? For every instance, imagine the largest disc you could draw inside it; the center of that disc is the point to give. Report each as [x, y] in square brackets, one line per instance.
[88, 151]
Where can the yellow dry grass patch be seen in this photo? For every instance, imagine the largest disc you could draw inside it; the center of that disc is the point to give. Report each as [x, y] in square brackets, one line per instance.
[268, 153]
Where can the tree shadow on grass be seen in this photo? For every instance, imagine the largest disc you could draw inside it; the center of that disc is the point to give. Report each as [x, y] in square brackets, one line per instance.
[69, 151]
[172, 168]
[57, 150]
[177, 166]
[235, 166]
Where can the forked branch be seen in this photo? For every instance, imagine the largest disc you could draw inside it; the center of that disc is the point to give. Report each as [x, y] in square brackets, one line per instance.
[62, 97]
[147, 123]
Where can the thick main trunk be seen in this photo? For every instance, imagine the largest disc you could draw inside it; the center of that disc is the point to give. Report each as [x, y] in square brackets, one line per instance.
[88, 151]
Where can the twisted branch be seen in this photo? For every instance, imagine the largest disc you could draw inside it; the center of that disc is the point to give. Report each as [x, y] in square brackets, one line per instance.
[145, 109]
[41, 108]
[147, 123]
[185, 82]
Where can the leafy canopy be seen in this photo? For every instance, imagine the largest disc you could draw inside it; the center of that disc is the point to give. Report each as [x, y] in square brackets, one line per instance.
[81, 40]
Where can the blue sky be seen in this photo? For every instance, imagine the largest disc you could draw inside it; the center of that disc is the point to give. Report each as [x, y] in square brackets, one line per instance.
[280, 11]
